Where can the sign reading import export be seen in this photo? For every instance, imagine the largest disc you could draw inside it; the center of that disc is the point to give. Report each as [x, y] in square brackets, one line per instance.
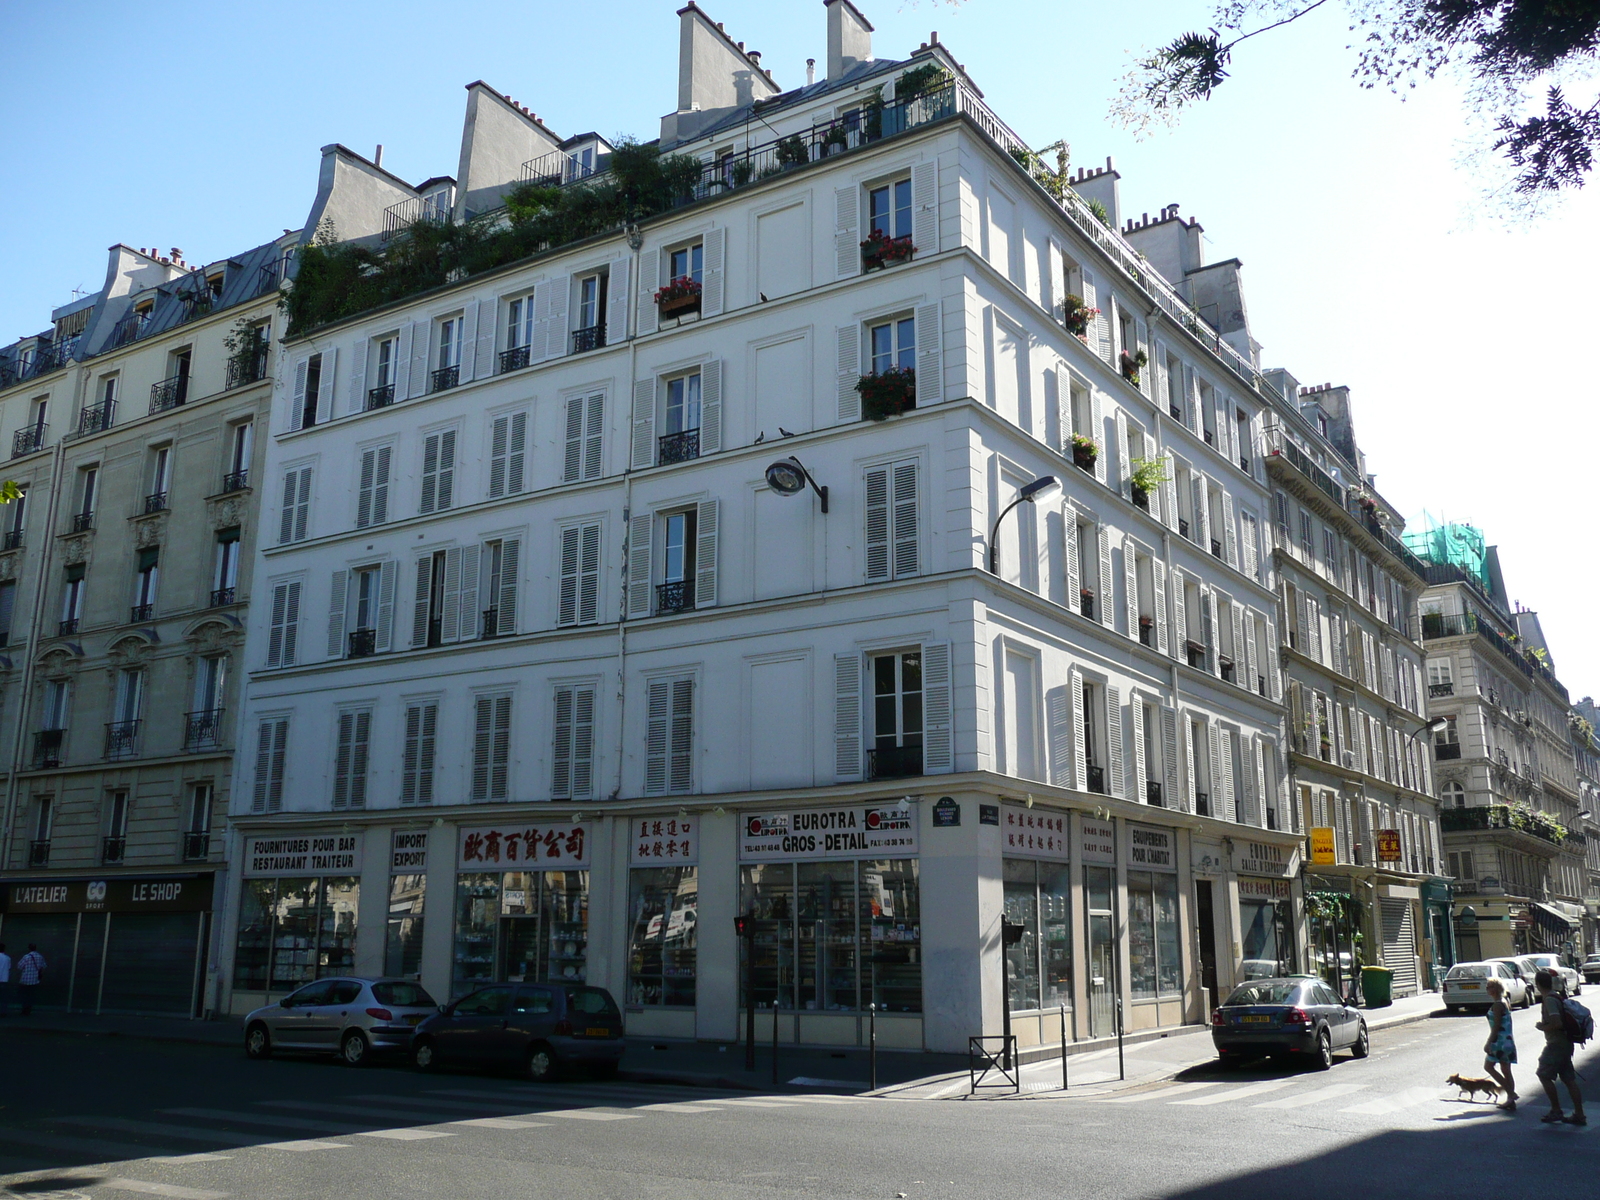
[664, 840]
[303, 854]
[872, 832]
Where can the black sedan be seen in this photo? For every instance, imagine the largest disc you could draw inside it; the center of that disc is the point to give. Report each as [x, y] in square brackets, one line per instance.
[537, 1030]
[1295, 1016]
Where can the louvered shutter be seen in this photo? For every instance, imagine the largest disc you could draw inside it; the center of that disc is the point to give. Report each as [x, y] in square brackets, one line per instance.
[1063, 381]
[291, 624]
[938, 751]
[446, 494]
[1074, 568]
[1314, 624]
[1130, 583]
[1141, 333]
[302, 505]
[1302, 625]
[657, 718]
[572, 459]
[421, 732]
[1251, 668]
[712, 286]
[1230, 543]
[639, 561]
[418, 375]
[280, 604]
[356, 399]
[680, 768]
[594, 410]
[369, 470]
[1208, 614]
[1251, 555]
[930, 355]
[388, 577]
[271, 746]
[1214, 739]
[848, 340]
[1158, 603]
[583, 744]
[1191, 768]
[1236, 621]
[561, 759]
[711, 406]
[297, 398]
[1107, 610]
[1097, 433]
[402, 364]
[1180, 613]
[506, 454]
[1137, 792]
[567, 604]
[643, 452]
[1062, 733]
[291, 483]
[589, 576]
[450, 618]
[846, 239]
[1101, 334]
[1080, 758]
[469, 342]
[1228, 808]
[707, 520]
[1055, 299]
[337, 599]
[877, 523]
[1202, 510]
[1116, 783]
[471, 558]
[1169, 496]
[1124, 462]
[847, 759]
[905, 519]
[649, 281]
[350, 760]
[432, 448]
[326, 378]
[1169, 757]
[506, 602]
[556, 322]
[618, 291]
[1158, 376]
[419, 618]
[925, 207]
[380, 485]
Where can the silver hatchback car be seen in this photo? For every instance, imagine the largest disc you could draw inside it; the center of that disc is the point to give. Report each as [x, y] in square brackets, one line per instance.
[348, 1016]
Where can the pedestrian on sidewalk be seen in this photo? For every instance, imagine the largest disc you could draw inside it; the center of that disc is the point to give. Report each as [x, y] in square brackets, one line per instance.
[1500, 1051]
[1556, 1060]
[30, 970]
[5, 981]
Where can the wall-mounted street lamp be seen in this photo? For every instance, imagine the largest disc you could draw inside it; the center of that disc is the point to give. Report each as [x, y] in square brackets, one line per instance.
[1029, 494]
[789, 477]
[1433, 726]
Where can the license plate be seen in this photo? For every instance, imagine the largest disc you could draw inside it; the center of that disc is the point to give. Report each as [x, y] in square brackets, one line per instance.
[413, 1018]
[1252, 1019]
[593, 1032]
[1471, 987]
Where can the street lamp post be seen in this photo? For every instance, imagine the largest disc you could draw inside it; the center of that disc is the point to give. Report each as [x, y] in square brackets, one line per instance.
[1029, 493]
[1010, 935]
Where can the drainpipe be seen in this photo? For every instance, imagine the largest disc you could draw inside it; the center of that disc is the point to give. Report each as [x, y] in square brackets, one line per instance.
[636, 243]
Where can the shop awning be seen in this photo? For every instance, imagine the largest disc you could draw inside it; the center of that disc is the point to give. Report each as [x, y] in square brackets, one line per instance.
[1551, 919]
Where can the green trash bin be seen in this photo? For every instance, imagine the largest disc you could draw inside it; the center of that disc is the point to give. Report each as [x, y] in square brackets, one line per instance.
[1377, 986]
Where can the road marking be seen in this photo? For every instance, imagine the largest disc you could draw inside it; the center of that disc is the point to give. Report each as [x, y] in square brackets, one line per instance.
[430, 1102]
[824, 1100]
[101, 1150]
[1315, 1096]
[347, 1110]
[1177, 1089]
[405, 1135]
[1239, 1093]
[305, 1144]
[192, 1158]
[1393, 1104]
[679, 1108]
[268, 1119]
[501, 1123]
[589, 1114]
[157, 1129]
[162, 1189]
[757, 1103]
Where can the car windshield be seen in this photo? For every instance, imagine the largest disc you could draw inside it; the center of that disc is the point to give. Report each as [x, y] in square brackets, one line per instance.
[1276, 991]
[591, 1001]
[1549, 961]
[402, 995]
[1471, 971]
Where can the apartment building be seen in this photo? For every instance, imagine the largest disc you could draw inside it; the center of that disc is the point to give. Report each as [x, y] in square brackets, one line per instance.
[124, 580]
[1586, 750]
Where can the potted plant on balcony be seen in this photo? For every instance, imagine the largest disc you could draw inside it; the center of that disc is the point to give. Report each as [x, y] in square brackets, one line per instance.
[792, 152]
[919, 81]
[1132, 364]
[678, 296]
[885, 394]
[740, 172]
[1084, 452]
[1077, 315]
[835, 141]
[879, 250]
[1148, 475]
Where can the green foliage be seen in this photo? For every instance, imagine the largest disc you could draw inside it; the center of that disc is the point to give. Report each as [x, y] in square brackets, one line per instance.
[929, 77]
[1098, 211]
[1149, 474]
[10, 490]
[887, 393]
[792, 151]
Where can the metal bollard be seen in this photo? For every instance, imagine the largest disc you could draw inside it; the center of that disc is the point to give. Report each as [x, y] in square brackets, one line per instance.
[872, 1044]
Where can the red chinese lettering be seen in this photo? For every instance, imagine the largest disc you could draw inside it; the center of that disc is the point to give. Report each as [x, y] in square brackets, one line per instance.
[511, 846]
[575, 843]
[491, 846]
[472, 850]
[552, 844]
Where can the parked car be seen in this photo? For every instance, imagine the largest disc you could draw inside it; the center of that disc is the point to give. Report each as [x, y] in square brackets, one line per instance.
[1465, 985]
[1524, 971]
[1281, 1016]
[537, 1030]
[1591, 968]
[351, 1017]
[1572, 981]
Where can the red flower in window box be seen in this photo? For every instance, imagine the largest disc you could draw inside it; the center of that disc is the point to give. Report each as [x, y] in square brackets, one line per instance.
[888, 393]
[879, 250]
[1132, 364]
[1077, 315]
[679, 295]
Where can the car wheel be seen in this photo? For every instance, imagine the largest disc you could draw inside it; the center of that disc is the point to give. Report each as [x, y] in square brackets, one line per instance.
[257, 1042]
[354, 1049]
[542, 1064]
[1362, 1046]
[1324, 1059]
[1452, 1008]
[423, 1057]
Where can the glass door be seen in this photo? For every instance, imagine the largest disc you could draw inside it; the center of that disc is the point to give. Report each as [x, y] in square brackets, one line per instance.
[1098, 886]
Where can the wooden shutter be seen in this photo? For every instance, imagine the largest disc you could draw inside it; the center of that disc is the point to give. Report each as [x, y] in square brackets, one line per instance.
[1208, 615]
[438, 470]
[418, 376]
[643, 453]
[351, 758]
[1236, 626]
[572, 460]
[846, 238]
[356, 399]
[271, 746]
[847, 758]
[594, 411]
[469, 341]
[1074, 568]
[1202, 511]
[1097, 432]
[1100, 335]
[938, 751]
[1057, 283]
[1247, 656]
[1137, 792]
[579, 601]
[291, 485]
[1116, 785]
[298, 395]
[471, 558]
[420, 614]
[1216, 766]
[450, 618]
[877, 523]
[849, 371]
[1227, 808]
[1130, 581]
[640, 528]
[445, 497]
[713, 258]
[707, 519]
[366, 494]
[337, 599]
[925, 207]
[1169, 757]
[1230, 542]
[1124, 477]
[561, 758]
[1191, 768]
[1061, 733]
[1141, 333]
[276, 625]
[930, 355]
[1158, 602]
[649, 281]
[388, 577]
[1169, 496]
[711, 406]
[402, 364]
[680, 767]
[904, 500]
[491, 747]
[657, 720]
[1080, 760]
[507, 450]
[416, 771]
[1107, 611]
[1157, 372]
[618, 291]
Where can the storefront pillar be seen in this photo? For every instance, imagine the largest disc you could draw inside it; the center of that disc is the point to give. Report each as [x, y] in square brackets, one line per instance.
[717, 985]
[962, 905]
[439, 910]
[373, 903]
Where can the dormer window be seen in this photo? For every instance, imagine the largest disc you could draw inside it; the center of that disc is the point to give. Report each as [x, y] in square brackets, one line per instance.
[214, 285]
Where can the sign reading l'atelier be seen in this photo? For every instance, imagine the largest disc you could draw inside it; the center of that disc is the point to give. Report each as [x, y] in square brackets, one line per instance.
[525, 846]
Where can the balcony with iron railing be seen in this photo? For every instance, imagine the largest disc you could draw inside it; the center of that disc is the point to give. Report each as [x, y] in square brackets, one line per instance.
[122, 739]
[1152, 793]
[363, 643]
[82, 522]
[47, 748]
[13, 540]
[169, 393]
[67, 626]
[380, 397]
[894, 762]
[141, 612]
[592, 337]
[95, 418]
[1436, 690]
[1195, 655]
[155, 502]
[202, 730]
[246, 368]
[558, 168]
[1097, 779]
[444, 378]
[433, 209]
[113, 850]
[514, 359]
[28, 440]
[1202, 804]
[1086, 603]
[491, 623]
[1446, 751]
[129, 328]
[677, 447]
[235, 481]
[1519, 818]
[675, 596]
[223, 596]
[39, 853]
[196, 847]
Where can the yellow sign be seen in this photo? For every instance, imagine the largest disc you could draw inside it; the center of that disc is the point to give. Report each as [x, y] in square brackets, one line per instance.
[1322, 844]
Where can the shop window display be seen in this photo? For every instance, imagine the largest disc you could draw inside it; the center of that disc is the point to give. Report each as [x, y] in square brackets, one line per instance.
[521, 926]
[292, 931]
[403, 951]
[1153, 964]
[662, 935]
[1037, 897]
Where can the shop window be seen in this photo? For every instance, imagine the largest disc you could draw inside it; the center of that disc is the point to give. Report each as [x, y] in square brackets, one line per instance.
[521, 926]
[403, 944]
[1038, 897]
[662, 940]
[1153, 962]
[834, 936]
[292, 931]
[1267, 945]
[1100, 894]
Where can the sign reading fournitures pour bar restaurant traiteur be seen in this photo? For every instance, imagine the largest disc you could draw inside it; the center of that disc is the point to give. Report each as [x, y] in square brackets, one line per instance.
[303, 854]
[802, 833]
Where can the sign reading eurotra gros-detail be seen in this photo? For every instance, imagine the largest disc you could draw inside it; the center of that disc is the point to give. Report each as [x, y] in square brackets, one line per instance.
[815, 833]
[303, 854]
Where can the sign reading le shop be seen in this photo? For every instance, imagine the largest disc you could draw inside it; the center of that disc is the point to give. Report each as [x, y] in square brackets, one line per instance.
[813, 833]
[186, 893]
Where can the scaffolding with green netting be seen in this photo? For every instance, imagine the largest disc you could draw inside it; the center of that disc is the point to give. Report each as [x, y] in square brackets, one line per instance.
[1450, 543]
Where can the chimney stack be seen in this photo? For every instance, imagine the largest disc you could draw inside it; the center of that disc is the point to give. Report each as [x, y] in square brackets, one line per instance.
[811, 71]
[377, 158]
[849, 38]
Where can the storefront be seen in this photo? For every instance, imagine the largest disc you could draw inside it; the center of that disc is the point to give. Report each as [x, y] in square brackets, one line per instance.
[300, 898]
[1266, 909]
[133, 944]
[1439, 934]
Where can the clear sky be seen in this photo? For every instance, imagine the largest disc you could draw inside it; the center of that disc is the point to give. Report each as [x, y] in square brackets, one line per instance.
[198, 125]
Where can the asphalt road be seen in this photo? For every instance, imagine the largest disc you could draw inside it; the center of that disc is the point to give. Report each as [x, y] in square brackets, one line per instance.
[113, 1118]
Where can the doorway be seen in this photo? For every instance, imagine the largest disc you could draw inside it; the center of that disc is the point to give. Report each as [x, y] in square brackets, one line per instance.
[1099, 884]
[1206, 918]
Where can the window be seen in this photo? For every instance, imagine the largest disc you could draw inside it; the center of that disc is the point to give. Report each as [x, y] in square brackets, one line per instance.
[107, 393]
[687, 261]
[1082, 412]
[590, 333]
[368, 611]
[372, 496]
[680, 420]
[892, 345]
[272, 737]
[403, 944]
[225, 575]
[491, 747]
[72, 599]
[386, 360]
[508, 453]
[580, 575]
[669, 736]
[144, 588]
[296, 511]
[308, 389]
[1208, 413]
[448, 344]
[210, 684]
[88, 480]
[416, 765]
[572, 777]
[199, 819]
[114, 849]
[350, 759]
[1446, 744]
[1441, 678]
[44, 811]
[41, 409]
[8, 609]
[892, 539]
[438, 471]
[584, 417]
[663, 906]
[1038, 897]
[283, 635]
[16, 521]
[427, 627]
[1461, 864]
[500, 586]
[1153, 934]
[239, 451]
[675, 593]
[889, 208]
[897, 725]
[57, 693]
[1200, 761]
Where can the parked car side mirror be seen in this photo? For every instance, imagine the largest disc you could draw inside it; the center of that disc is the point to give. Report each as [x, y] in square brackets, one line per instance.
[284, 1003]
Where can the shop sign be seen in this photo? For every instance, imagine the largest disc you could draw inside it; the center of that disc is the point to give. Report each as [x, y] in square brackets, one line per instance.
[303, 854]
[1322, 845]
[1098, 841]
[988, 814]
[667, 840]
[1263, 889]
[189, 893]
[408, 851]
[1034, 833]
[1388, 845]
[946, 813]
[1150, 849]
[816, 833]
[525, 846]
[1263, 858]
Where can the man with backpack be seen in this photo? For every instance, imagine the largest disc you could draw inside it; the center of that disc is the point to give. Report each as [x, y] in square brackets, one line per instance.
[1562, 1028]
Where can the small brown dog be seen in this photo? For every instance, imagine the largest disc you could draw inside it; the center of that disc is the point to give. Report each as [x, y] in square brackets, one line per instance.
[1471, 1087]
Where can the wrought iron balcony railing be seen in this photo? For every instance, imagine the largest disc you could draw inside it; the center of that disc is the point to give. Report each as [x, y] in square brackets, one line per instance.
[675, 596]
[169, 393]
[235, 481]
[1086, 603]
[444, 378]
[97, 418]
[1097, 779]
[122, 739]
[67, 626]
[155, 502]
[1202, 803]
[39, 854]
[113, 850]
[363, 643]
[678, 447]
[491, 623]
[222, 596]
[141, 612]
[47, 748]
[13, 540]
[82, 522]
[202, 730]
[1435, 690]
[380, 397]
[1446, 750]
[1152, 793]
[196, 847]
[591, 338]
[894, 762]
[246, 368]
[514, 359]
[28, 439]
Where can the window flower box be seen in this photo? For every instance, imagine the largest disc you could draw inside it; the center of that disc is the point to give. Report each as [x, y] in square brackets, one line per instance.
[880, 250]
[1076, 315]
[679, 296]
[1084, 452]
[888, 393]
[1132, 364]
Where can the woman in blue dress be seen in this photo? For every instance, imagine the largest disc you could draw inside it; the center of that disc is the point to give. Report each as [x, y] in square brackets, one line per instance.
[1500, 1051]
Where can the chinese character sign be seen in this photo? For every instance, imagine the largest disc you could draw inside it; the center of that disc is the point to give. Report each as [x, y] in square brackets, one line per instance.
[1033, 833]
[664, 841]
[1388, 845]
[525, 846]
